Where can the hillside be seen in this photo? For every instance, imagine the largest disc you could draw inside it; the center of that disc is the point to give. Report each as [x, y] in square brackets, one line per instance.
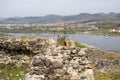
[58, 18]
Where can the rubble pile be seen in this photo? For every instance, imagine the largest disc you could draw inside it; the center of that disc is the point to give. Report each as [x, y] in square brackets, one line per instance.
[61, 63]
[49, 62]
[17, 50]
[25, 45]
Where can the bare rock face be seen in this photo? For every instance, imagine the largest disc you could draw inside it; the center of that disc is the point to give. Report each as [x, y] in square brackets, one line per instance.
[60, 63]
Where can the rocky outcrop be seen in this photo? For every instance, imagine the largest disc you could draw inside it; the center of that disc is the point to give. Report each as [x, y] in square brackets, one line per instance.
[61, 63]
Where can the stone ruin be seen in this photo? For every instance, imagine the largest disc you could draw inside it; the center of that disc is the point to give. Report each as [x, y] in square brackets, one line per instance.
[51, 61]
[60, 63]
[25, 45]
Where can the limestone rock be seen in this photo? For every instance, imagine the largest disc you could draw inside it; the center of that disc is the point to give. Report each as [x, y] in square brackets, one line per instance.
[81, 53]
[57, 64]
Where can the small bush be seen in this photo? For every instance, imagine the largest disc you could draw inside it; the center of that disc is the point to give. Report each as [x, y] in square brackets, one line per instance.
[24, 39]
[61, 41]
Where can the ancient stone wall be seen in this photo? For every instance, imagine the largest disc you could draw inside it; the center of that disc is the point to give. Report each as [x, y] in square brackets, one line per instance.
[25, 45]
[51, 61]
[61, 63]
[18, 50]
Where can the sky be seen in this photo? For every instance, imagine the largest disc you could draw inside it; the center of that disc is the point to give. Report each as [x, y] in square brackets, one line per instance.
[22, 8]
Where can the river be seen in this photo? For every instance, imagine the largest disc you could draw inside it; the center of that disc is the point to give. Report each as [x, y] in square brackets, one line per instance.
[105, 43]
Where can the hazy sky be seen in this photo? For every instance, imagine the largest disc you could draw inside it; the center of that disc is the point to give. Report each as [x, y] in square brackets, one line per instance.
[21, 8]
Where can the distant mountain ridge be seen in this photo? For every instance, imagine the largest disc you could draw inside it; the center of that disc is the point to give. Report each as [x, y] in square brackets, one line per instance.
[58, 18]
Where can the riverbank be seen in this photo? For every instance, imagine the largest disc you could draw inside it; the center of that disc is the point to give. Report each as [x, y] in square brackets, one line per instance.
[103, 32]
[29, 30]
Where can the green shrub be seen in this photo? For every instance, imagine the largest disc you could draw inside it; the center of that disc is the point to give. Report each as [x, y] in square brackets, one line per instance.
[24, 39]
[61, 41]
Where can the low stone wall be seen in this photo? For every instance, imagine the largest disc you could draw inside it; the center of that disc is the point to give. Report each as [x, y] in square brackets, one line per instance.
[50, 61]
[25, 45]
[18, 50]
[61, 63]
